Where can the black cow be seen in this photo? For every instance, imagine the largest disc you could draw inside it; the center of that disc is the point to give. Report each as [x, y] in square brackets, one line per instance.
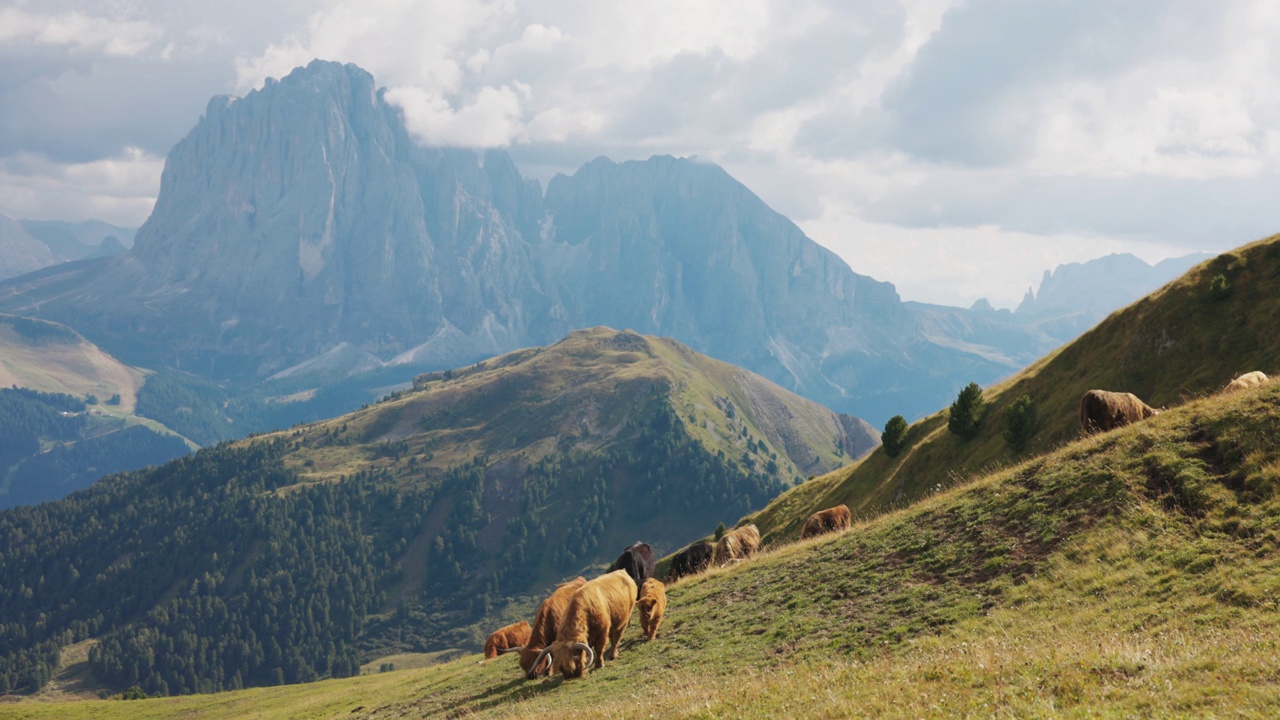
[691, 560]
[638, 561]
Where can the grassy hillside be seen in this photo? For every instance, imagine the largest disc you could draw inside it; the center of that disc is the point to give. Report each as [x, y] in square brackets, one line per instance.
[578, 395]
[53, 358]
[409, 526]
[68, 414]
[1131, 574]
[1186, 340]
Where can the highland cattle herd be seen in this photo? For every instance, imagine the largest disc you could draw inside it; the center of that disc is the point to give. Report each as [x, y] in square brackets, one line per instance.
[581, 623]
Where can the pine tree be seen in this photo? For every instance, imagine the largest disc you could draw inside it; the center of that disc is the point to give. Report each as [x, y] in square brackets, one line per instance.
[1020, 423]
[894, 437]
[966, 412]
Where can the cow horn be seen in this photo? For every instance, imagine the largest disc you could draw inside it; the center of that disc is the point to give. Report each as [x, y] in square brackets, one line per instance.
[504, 651]
[591, 654]
[533, 671]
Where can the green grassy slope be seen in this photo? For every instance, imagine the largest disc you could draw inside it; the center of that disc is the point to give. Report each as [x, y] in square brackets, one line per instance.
[1181, 342]
[578, 395]
[49, 357]
[1131, 574]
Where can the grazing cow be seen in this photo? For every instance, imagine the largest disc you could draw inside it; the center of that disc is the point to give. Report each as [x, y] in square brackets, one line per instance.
[1245, 381]
[638, 561]
[1101, 410]
[507, 639]
[737, 545]
[546, 624]
[598, 614]
[691, 560]
[652, 604]
[825, 521]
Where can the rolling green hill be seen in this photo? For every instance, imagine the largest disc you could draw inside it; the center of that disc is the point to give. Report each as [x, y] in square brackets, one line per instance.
[1186, 340]
[1130, 574]
[411, 525]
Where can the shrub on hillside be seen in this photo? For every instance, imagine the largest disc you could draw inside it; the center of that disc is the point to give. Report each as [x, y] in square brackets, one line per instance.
[894, 437]
[1219, 287]
[1020, 423]
[966, 412]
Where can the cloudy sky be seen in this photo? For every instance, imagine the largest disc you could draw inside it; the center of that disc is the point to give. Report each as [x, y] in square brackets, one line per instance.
[954, 148]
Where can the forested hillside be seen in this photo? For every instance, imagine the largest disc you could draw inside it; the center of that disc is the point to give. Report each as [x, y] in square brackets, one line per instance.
[409, 525]
[52, 444]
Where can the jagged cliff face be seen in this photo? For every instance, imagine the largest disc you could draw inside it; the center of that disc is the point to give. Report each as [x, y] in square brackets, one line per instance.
[301, 217]
[298, 229]
[678, 247]
[299, 224]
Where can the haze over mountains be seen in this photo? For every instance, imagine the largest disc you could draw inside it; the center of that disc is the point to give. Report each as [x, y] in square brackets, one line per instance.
[300, 229]
[28, 245]
[1076, 296]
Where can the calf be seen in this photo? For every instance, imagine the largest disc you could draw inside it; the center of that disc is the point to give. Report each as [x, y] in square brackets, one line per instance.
[652, 604]
[507, 639]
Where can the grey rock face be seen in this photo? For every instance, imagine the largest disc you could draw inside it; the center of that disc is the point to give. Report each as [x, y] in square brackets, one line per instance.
[677, 247]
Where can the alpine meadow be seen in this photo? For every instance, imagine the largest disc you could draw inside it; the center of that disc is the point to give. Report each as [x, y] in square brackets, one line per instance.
[480, 359]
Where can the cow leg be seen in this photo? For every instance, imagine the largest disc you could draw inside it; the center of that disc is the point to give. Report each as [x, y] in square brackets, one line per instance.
[597, 640]
[615, 636]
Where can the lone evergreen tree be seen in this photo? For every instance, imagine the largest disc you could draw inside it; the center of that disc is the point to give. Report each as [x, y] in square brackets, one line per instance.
[720, 530]
[894, 437]
[1020, 423]
[966, 412]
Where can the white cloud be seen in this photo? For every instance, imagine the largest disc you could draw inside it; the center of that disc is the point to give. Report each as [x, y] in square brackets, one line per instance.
[119, 190]
[78, 31]
[447, 64]
[490, 119]
[959, 265]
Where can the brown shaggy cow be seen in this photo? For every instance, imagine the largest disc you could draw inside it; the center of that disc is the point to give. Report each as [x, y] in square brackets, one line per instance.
[652, 604]
[1101, 410]
[546, 624]
[598, 614]
[507, 639]
[1245, 381]
[736, 545]
[824, 521]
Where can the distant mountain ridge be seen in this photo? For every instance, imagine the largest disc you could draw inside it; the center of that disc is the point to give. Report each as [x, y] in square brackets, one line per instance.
[1076, 296]
[299, 229]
